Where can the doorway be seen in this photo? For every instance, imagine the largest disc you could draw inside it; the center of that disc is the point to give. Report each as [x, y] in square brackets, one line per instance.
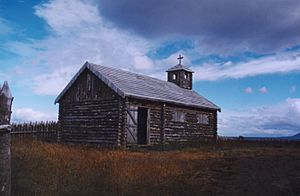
[142, 125]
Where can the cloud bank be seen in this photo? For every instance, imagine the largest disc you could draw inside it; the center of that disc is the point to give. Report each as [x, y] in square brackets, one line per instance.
[31, 115]
[78, 34]
[81, 32]
[219, 26]
[277, 120]
[285, 62]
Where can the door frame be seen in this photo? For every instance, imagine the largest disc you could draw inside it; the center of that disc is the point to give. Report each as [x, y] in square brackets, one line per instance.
[147, 125]
[131, 108]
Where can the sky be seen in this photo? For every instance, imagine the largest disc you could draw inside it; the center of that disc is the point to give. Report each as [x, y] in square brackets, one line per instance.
[245, 54]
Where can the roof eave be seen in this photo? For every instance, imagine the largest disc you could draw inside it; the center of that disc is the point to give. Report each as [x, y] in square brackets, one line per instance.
[172, 102]
[188, 70]
[178, 68]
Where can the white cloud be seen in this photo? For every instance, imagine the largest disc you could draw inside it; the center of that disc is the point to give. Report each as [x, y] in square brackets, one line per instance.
[29, 114]
[276, 120]
[53, 83]
[279, 63]
[80, 35]
[263, 90]
[248, 90]
[143, 63]
[66, 15]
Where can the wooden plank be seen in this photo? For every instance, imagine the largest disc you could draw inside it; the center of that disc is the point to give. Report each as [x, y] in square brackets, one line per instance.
[131, 128]
[129, 112]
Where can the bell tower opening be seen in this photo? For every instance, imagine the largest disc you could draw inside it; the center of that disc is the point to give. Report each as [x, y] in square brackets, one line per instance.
[181, 75]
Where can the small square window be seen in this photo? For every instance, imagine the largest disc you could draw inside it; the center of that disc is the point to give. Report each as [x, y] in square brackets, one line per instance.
[203, 119]
[186, 76]
[178, 116]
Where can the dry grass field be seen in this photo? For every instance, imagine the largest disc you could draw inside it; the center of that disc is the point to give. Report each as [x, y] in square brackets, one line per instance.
[223, 168]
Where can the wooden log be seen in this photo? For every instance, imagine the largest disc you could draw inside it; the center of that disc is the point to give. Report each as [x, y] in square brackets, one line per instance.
[6, 100]
[5, 166]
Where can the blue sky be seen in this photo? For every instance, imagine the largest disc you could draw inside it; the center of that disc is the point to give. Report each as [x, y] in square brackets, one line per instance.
[246, 55]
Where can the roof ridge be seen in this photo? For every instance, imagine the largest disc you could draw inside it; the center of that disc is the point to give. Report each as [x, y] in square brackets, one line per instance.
[130, 84]
[129, 72]
[142, 75]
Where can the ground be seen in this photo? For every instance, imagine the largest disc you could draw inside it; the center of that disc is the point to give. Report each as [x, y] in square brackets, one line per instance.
[222, 168]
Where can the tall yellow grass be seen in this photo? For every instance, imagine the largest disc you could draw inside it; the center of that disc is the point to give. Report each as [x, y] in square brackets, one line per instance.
[59, 169]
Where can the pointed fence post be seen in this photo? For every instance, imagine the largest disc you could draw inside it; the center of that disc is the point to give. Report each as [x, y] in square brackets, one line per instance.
[5, 154]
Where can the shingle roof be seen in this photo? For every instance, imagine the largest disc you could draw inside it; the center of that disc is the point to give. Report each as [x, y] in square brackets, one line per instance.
[128, 84]
[179, 67]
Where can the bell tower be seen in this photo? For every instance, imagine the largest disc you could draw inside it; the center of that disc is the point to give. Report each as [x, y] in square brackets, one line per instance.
[181, 75]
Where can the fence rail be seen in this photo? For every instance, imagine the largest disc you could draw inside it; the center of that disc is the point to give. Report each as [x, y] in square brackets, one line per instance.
[42, 130]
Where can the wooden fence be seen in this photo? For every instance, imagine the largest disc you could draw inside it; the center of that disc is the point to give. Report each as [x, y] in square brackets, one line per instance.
[41, 130]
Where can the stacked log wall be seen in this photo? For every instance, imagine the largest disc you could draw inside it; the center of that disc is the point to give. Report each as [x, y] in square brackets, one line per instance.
[163, 129]
[155, 109]
[89, 112]
[190, 129]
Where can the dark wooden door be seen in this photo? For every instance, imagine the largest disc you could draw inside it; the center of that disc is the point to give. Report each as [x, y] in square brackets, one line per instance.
[142, 125]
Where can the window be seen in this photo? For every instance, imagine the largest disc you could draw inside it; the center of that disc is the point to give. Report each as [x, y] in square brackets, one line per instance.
[178, 116]
[88, 82]
[203, 119]
[186, 76]
[174, 76]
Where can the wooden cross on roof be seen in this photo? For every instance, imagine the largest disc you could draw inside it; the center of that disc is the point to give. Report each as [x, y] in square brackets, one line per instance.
[179, 59]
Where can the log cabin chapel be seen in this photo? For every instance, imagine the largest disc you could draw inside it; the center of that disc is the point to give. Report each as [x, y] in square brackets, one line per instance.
[110, 106]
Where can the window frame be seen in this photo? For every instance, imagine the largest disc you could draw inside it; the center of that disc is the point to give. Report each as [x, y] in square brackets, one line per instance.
[203, 119]
[179, 116]
[174, 76]
[186, 76]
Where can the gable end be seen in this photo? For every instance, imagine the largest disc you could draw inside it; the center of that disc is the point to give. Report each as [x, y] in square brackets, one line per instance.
[99, 75]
